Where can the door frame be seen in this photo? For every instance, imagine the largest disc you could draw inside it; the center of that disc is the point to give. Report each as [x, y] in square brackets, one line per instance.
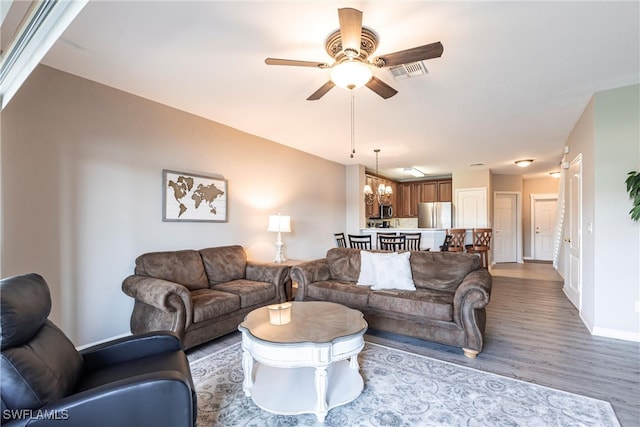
[534, 198]
[518, 224]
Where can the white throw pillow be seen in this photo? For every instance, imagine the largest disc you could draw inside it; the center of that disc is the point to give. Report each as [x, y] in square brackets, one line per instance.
[393, 271]
[367, 276]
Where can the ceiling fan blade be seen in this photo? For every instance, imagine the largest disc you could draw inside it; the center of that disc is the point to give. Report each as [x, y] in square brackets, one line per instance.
[322, 91]
[381, 88]
[350, 29]
[428, 51]
[293, 62]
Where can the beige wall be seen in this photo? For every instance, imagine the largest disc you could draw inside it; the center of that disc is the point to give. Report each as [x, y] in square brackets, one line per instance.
[82, 196]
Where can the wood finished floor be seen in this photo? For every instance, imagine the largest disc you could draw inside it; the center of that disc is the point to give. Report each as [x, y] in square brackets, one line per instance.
[533, 334]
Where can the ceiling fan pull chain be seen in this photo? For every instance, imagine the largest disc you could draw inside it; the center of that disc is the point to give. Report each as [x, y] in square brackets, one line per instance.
[353, 133]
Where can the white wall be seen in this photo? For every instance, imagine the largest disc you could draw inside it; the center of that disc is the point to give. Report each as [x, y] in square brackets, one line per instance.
[607, 136]
[82, 196]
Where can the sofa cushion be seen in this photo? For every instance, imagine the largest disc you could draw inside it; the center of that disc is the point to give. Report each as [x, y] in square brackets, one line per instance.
[224, 263]
[346, 293]
[442, 271]
[344, 264]
[423, 303]
[250, 292]
[183, 267]
[209, 303]
[367, 276]
[392, 271]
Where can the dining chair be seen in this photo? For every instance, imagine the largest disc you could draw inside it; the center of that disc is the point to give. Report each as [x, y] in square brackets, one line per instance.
[481, 244]
[458, 236]
[392, 243]
[360, 241]
[383, 234]
[413, 241]
[341, 242]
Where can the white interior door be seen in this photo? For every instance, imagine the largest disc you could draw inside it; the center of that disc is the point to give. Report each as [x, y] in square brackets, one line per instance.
[573, 286]
[504, 245]
[544, 218]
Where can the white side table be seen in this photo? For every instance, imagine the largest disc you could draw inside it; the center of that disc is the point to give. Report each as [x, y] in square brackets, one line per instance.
[309, 365]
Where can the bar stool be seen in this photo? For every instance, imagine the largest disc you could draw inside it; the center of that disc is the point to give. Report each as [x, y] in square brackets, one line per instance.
[458, 236]
[481, 244]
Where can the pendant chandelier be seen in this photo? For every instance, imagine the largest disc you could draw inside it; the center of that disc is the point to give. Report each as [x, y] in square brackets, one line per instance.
[382, 194]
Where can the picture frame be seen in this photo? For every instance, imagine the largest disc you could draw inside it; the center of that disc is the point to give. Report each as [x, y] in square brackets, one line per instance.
[189, 197]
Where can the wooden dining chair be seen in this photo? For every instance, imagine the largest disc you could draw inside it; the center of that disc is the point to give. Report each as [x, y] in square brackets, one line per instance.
[458, 236]
[481, 244]
[413, 241]
[392, 243]
[360, 241]
[341, 242]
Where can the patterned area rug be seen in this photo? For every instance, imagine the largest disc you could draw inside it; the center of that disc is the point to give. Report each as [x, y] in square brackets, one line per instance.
[402, 389]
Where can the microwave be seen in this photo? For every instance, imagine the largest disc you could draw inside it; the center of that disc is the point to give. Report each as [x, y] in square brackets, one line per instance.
[385, 212]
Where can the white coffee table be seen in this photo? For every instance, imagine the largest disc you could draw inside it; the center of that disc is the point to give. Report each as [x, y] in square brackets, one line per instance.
[309, 365]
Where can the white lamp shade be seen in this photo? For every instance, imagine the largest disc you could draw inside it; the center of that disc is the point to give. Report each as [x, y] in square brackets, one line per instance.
[367, 189]
[351, 74]
[279, 223]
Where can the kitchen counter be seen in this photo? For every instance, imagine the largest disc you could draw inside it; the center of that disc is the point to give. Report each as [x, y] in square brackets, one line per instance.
[431, 238]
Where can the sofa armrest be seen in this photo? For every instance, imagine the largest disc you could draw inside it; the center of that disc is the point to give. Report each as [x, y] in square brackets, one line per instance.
[309, 272]
[129, 348]
[472, 295]
[164, 295]
[269, 273]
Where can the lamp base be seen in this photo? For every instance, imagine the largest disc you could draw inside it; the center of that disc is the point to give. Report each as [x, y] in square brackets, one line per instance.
[280, 258]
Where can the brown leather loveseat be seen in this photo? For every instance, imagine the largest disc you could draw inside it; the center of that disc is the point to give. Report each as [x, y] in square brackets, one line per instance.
[200, 295]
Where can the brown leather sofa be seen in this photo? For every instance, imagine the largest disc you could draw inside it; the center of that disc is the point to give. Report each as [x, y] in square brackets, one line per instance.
[447, 306]
[200, 295]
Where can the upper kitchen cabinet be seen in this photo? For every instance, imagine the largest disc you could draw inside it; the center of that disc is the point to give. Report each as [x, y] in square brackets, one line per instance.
[444, 191]
[428, 192]
[414, 192]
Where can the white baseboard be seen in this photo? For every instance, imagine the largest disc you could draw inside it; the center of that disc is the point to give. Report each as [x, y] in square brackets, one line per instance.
[82, 347]
[617, 334]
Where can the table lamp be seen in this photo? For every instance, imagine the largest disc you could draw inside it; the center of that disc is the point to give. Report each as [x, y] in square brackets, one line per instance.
[280, 224]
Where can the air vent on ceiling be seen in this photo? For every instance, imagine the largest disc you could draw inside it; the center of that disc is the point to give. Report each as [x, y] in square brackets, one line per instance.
[404, 71]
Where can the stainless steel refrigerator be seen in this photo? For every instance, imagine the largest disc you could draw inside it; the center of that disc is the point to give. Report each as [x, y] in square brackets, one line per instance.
[434, 215]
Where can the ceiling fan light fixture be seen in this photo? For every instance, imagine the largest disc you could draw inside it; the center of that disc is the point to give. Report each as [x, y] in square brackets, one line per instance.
[524, 163]
[351, 74]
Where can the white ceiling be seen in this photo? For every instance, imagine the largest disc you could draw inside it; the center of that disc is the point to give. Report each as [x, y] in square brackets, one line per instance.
[512, 81]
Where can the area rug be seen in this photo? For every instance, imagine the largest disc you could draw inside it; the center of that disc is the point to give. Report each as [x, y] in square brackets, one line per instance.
[402, 389]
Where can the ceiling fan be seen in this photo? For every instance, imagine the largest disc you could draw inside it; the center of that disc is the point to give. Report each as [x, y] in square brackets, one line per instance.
[351, 47]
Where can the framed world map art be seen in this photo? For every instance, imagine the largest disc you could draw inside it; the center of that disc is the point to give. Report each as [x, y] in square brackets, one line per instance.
[189, 197]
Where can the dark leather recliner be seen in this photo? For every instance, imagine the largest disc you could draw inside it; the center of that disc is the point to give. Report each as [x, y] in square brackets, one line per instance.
[141, 380]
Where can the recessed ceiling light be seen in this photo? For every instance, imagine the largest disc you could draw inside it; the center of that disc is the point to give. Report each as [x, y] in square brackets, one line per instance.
[414, 172]
[524, 163]
[476, 164]
[555, 174]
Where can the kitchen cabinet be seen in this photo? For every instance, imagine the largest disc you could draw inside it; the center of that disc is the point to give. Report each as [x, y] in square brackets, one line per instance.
[428, 192]
[414, 192]
[444, 191]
